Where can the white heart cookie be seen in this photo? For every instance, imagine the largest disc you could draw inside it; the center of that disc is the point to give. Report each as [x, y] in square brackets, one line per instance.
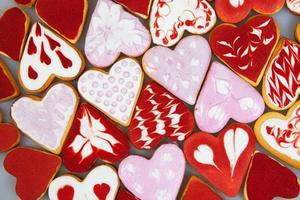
[45, 57]
[47, 120]
[101, 183]
[115, 93]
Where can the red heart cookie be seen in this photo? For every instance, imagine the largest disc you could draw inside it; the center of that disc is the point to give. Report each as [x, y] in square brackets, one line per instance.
[248, 48]
[33, 170]
[197, 189]
[159, 114]
[268, 179]
[92, 136]
[66, 17]
[224, 160]
[8, 86]
[25, 3]
[281, 86]
[14, 25]
[125, 195]
[9, 136]
[140, 8]
[234, 11]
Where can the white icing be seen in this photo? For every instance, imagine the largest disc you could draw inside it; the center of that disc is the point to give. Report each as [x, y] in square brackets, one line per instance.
[236, 3]
[235, 142]
[112, 95]
[55, 68]
[205, 155]
[294, 5]
[46, 121]
[216, 113]
[85, 189]
[222, 87]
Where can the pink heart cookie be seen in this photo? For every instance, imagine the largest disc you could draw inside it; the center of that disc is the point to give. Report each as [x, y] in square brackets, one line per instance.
[157, 178]
[169, 19]
[47, 120]
[180, 71]
[102, 183]
[113, 31]
[225, 95]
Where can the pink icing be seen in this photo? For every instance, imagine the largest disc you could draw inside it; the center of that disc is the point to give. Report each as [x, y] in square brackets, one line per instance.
[157, 178]
[225, 95]
[180, 71]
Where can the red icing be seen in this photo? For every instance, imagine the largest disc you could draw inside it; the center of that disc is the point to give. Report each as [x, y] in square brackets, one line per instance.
[9, 137]
[101, 191]
[228, 13]
[141, 7]
[44, 57]
[268, 179]
[7, 84]
[53, 44]
[12, 32]
[31, 47]
[155, 105]
[246, 49]
[196, 189]
[125, 195]
[66, 62]
[65, 16]
[38, 30]
[33, 170]
[32, 73]
[65, 193]
[221, 175]
[24, 2]
[75, 162]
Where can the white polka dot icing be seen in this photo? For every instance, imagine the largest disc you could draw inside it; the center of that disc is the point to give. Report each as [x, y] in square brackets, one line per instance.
[115, 93]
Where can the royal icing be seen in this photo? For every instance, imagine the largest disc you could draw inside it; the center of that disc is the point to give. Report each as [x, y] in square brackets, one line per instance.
[33, 170]
[169, 19]
[294, 6]
[268, 179]
[113, 31]
[26, 3]
[142, 8]
[114, 93]
[9, 136]
[8, 86]
[180, 71]
[282, 80]
[157, 178]
[58, 15]
[223, 161]
[45, 57]
[246, 49]
[159, 114]
[224, 95]
[92, 136]
[14, 25]
[52, 114]
[102, 183]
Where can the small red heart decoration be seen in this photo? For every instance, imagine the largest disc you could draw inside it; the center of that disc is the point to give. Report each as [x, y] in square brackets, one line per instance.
[9, 137]
[67, 17]
[65, 193]
[141, 8]
[267, 179]
[101, 191]
[33, 170]
[14, 25]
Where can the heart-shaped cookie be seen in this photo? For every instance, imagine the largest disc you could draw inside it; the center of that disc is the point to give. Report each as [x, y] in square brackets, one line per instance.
[248, 48]
[197, 189]
[8, 86]
[92, 136]
[233, 11]
[66, 17]
[268, 179]
[113, 31]
[47, 121]
[159, 114]
[224, 160]
[280, 134]
[102, 183]
[25, 3]
[224, 95]
[293, 6]
[33, 170]
[157, 178]
[140, 8]
[281, 86]
[45, 57]
[170, 19]
[14, 25]
[180, 71]
[114, 93]
[9, 136]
